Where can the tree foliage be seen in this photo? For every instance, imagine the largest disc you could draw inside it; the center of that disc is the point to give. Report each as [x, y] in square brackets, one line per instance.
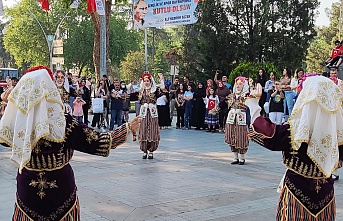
[320, 49]
[133, 66]
[78, 46]
[250, 70]
[235, 31]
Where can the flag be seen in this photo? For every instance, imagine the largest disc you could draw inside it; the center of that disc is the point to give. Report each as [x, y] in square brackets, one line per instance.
[75, 4]
[100, 9]
[211, 104]
[2, 12]
[91, 7]
[45, 4]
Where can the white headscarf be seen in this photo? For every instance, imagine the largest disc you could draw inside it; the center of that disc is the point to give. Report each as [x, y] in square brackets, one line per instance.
[153, 85]
[245, 86]
[34, 111]
[317, 119]
[65, 82]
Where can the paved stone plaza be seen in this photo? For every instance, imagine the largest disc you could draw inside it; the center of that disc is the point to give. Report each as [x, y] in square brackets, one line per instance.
[190, 179]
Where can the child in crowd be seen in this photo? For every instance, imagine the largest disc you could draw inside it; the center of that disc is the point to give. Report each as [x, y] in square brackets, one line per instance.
[77, 108]
[188, 106]
[180, 106]
[211, 101]
[276, 104]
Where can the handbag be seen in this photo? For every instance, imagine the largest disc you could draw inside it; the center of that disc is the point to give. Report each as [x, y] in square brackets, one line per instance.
[98, 105]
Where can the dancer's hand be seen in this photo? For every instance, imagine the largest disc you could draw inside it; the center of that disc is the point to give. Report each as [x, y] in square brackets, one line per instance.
[134, 126]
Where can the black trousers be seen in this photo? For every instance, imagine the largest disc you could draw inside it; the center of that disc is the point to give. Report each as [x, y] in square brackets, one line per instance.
[180, 117]
[85, 109]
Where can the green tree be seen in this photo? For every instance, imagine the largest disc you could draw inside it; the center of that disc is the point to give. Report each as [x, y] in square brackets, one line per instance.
[231, 32]
[78, 47]
[318, 51]
[122, 40]
[26, 23]
[320, 48]
[133, 66]
[5, 57]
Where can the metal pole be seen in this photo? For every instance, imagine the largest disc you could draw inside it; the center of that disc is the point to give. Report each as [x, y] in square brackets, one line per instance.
[146, 48]
[103, 70]
[50, 42]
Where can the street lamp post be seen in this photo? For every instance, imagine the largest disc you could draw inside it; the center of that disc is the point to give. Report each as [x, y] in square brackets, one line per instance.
[49, 38]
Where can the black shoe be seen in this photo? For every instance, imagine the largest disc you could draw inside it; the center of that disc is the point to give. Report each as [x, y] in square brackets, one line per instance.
[197, 128]
[213, 131]
[241, 162]
[208, 130]
[323, 63]
[150, 156]
[334, 177]
[144, 155]
[235, 162]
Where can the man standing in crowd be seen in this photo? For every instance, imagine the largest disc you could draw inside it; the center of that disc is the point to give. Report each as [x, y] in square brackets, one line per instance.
[172, 91]
[224, 79]
[116, 105]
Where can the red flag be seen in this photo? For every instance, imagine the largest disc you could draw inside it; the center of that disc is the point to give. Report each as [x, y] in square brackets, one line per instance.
[45, 4]
[91, 6]
[211, 104]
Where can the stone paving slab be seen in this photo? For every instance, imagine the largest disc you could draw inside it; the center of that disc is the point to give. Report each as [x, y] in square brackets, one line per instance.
[190, 179]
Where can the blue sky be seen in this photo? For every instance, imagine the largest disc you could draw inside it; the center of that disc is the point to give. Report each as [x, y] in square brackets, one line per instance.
[321, 20]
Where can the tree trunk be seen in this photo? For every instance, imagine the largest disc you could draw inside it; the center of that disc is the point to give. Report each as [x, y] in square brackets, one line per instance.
[96, 49]
[96, 46]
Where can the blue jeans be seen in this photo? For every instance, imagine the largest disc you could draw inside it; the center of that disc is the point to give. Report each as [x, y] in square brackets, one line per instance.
[288, 102]
[115, 115]
[188, 115]
[78, 118]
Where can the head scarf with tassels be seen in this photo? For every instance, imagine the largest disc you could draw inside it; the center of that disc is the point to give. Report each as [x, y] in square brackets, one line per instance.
[34, 111]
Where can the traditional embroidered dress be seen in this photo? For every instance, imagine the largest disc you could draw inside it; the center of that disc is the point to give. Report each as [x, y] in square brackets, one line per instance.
[43, 140]
[236, 122]
[312, 146]
[149, 132]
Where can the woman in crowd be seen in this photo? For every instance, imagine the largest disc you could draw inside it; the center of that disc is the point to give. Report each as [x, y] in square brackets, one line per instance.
[100, 92]
[311, 146]
[262, 79]
[198, 110]
[270, 85]
[209, 84]
[43, 139]
[276, 104]
[285, 83]
[180, 106]
[299, 72]
[163, 109]
[149, 133]
[222, 92]
[188, 106]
